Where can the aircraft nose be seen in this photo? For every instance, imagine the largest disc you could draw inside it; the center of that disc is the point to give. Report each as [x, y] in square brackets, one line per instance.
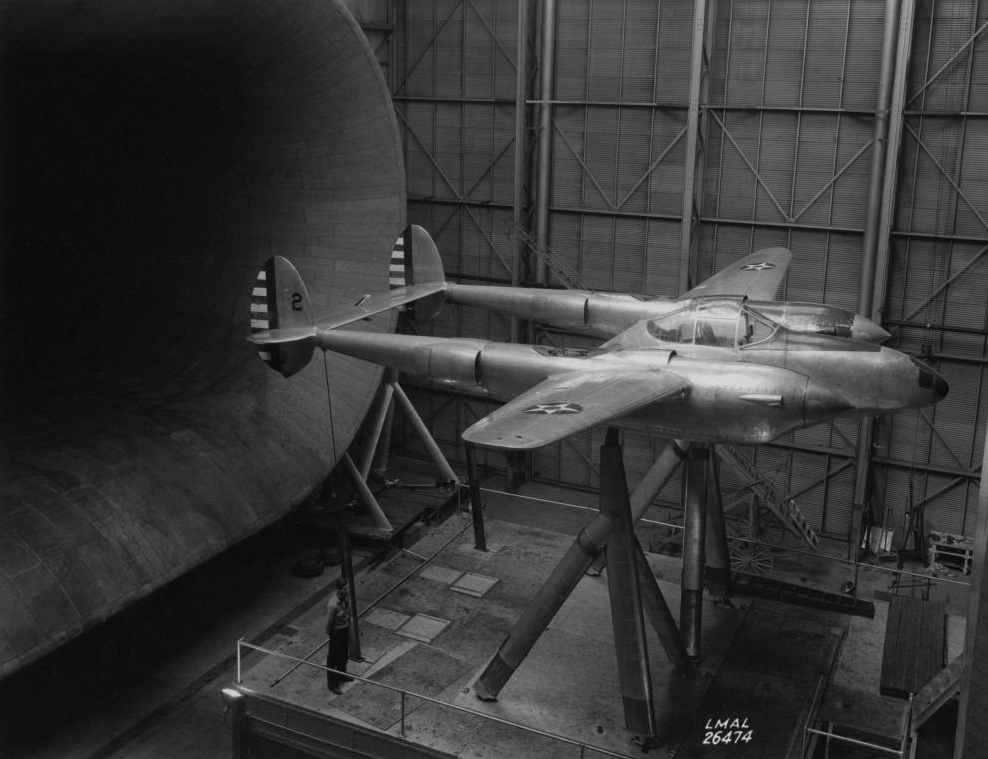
[940, 387]
[930, 381]
[865, 329]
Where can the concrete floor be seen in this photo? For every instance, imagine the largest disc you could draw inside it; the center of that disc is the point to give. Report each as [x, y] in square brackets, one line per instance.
[762, 660]
[147, 685]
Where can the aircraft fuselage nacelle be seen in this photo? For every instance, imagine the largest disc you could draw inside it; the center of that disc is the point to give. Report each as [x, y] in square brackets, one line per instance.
[735, 396]
[609, 314]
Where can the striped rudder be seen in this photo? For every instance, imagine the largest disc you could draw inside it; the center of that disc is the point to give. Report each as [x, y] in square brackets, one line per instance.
[279, 301]
[398, 276]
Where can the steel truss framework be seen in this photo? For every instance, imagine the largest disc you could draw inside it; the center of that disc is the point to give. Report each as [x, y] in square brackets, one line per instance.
[681, 136]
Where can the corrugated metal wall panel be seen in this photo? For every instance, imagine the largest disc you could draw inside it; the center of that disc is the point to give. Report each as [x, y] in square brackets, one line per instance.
[448, 53]
[745, 73]
[923, 271]
[419, 171]
[629, 256]
[953, 25]
[807, 277]
[638, 455]
[674, 40]
[843, 272]
[596, 270]
[729, 170]
[573, 39]
[479, 54]
[475, 255]
[665, 183]
[567, 173]
[864, 54]
[776, 160]
[933, 201]
[907, 437]
[604, 68]
[953, 416]
[567, 238]
[823, 77]
[815, 165]
[634, 143]
[968, 299]
[947, 512]
[446, 149]
[600, 154]
[817, 435]
[639, 51]
[972, 211]
[839, 501]
[662, 259]
[980, 420]
[978, 97]
[419, 21]
[784, 52]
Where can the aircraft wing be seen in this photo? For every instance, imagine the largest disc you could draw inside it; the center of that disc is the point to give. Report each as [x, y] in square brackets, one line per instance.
[572, 402]
[371, 305]
[758, 276]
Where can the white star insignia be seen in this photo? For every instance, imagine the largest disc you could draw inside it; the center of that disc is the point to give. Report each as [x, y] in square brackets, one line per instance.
[761, 266]
[553, 408]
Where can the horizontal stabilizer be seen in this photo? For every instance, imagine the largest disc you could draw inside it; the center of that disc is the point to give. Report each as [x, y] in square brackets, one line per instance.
[572, 402]
[371, 305]
[278, 336]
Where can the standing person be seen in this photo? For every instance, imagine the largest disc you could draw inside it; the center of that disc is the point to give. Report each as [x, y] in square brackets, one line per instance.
[338, 630]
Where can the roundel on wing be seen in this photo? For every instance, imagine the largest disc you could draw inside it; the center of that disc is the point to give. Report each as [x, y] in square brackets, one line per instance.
[553, 408]
[760, 266]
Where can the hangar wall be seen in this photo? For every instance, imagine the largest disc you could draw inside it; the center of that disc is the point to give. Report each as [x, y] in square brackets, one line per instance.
[784, 121]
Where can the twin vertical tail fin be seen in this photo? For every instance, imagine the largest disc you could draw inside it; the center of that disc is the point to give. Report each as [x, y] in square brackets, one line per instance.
[416, 263]
[279, 307]
[282, 324]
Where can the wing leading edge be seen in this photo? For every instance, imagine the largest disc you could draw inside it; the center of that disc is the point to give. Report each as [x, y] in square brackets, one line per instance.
[758, 276]
[572, 402]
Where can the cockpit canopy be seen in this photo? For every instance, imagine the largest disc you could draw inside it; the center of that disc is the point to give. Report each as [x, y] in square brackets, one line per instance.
[719, 322]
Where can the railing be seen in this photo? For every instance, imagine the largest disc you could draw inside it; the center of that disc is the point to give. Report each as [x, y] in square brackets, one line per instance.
[829, 735]
[773, 549]
[404, 694]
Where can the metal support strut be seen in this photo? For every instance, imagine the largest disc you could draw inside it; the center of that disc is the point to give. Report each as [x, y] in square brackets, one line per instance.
[694, 544]
[624, 590]
[476, 506]
[390, 392]
[554, 592]
[717, 559]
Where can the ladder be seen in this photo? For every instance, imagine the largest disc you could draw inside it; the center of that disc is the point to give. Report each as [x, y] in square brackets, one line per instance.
[786, 511]
[562, 271]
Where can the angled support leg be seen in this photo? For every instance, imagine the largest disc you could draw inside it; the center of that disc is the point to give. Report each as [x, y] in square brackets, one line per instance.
[717, 560]
[694, 540]
[554, 592]
[476, 506]
[381, 411]
[373, 507]
[424, 435]
[630, 644]
[658, 614]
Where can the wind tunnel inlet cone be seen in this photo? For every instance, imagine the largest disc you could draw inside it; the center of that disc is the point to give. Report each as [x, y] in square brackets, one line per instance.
[154, 155]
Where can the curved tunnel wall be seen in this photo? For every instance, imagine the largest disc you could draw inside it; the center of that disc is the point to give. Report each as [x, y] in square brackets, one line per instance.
[154, 154]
